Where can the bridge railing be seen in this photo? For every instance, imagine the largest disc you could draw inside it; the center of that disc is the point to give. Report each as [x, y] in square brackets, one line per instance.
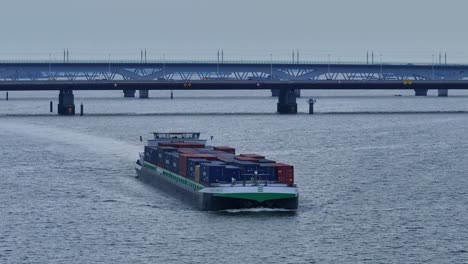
[227, 62]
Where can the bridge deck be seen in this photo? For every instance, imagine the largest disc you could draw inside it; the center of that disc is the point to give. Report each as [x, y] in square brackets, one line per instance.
[231, 85]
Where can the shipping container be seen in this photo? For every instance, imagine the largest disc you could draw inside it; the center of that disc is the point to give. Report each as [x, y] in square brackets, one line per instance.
[197, 173]
[247, 167]
[226, 159]
[226, 149]
[205, 149]
[218, 162]
[231, 172]
[191, 163]
[161, 155]
[151, 154]
[172, 162]
[268, 172]
[256, 156]
[266, 161]
[245, 158]
[284, 172]
[183, 161]
[167, 160]
[187, 151]
[211, 173]
[226, 155]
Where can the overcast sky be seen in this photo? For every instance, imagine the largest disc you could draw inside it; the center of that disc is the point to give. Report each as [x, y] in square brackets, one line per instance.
[412, 30]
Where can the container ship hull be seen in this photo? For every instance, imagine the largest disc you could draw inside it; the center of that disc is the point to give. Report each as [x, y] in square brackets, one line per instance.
[218, 198]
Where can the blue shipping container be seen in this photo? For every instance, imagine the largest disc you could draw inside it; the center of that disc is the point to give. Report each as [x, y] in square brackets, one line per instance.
[191, 163]
[268, 172]
[247, 167]
[230, 172]
[266, 161]
[175, 162]
[151, 154]
[211, 173]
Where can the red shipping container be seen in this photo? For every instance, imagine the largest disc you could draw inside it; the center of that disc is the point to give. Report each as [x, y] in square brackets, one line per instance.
[255, 156]
[245, 158]
[186, 151]
[284, 172]
[225, 159]
[226, 149]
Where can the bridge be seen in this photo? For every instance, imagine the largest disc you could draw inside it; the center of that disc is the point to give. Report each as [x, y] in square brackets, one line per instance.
[284, 79]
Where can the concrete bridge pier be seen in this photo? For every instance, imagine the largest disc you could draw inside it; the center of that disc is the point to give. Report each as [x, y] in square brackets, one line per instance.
[143, 94]
[287, 101]
[420, 92]
[275, 92]
[297, 92]
[129, 93]
[66, 105]
[442, 92]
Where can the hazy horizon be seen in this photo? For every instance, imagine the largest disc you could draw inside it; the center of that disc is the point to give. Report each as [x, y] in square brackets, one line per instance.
[182, 29]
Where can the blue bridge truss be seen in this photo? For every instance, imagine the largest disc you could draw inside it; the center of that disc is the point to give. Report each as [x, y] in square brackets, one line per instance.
[285, 79]
[226, 70]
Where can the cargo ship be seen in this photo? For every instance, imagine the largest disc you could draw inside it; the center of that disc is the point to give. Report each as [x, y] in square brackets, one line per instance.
[213, 177]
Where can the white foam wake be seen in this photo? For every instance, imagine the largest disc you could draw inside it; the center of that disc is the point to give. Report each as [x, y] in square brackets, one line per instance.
[93, 143]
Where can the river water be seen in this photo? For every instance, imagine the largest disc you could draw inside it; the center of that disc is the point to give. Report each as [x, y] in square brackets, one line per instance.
[383, 179]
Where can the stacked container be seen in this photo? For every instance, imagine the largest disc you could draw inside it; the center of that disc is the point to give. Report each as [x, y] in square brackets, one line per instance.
[209, 165]
[197, 173]
[151, 154]
[184, 157]
[265, 161]
[231, 172]
[162, 155]
[255, 156]
[225, 149]
[248, 168]
[245, 158]
[191, 163]
[211, 173]
[268, 172]
[285, 173]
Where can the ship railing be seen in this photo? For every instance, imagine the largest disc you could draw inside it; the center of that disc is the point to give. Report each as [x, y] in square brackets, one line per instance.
[247, 183]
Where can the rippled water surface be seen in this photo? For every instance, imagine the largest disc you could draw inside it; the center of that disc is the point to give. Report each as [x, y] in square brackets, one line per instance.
[383, 179]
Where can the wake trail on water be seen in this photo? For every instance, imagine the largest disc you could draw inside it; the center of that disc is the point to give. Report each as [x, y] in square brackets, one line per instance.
[97, 144]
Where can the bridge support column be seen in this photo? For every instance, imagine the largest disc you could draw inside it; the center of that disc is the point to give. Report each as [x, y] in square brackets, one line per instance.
[143, 93]
[420, 92]
[66, 105]
[297, 92]
[129, 93]
[442, 92]
[275, 92]
[287, 101]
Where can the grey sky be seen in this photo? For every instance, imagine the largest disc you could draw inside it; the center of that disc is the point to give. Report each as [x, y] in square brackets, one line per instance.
[243, 28]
